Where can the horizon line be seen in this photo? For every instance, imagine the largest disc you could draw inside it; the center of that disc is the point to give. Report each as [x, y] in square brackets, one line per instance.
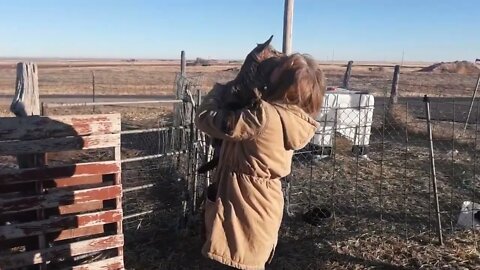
[193, 59]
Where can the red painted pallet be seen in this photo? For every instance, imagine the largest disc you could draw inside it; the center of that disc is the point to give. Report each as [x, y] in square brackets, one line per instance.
[61, 215]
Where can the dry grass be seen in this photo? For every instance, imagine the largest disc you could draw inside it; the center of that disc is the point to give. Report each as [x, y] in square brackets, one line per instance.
[458, 67]
[402, 118]
[157, 78]
[118, 79]
[369, 251]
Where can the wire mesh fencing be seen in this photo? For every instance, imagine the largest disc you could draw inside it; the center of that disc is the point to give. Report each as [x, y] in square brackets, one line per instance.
[386, 186]
[366, 175]
[159, 150]
[154, 176]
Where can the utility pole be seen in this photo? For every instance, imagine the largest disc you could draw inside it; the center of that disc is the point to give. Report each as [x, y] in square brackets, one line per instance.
[287, 27]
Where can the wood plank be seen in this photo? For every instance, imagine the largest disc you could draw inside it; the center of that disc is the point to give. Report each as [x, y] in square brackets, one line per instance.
[78, 187]
[74, 181]
[41, 127]
[48, 189]
[107, 264]
[80, 207]
[59, 223]
[59, 144]
[59, 198]
[65, 172]
[79, 232]
[67, 250]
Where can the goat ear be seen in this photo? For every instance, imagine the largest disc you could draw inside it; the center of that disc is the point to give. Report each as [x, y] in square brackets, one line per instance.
[266, 43]
[259, 50]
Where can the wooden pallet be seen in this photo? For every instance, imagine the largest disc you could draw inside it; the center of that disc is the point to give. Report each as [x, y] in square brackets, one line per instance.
[52, 215]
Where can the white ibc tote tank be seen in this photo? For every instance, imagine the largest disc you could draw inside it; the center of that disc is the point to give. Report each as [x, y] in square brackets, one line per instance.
[349, 113]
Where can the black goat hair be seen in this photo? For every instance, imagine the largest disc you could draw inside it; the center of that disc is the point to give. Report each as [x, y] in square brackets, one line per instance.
[244, 91]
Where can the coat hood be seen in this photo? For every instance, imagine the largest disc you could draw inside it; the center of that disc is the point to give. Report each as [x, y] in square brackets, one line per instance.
[298, 127]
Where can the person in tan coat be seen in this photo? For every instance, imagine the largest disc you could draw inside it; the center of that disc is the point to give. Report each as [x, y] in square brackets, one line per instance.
[243, 217]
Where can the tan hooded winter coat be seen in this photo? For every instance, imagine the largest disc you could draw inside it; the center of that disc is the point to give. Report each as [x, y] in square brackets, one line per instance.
[242, 224]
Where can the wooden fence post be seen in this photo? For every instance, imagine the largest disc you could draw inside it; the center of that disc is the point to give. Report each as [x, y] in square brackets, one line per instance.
[394, 91]
[348, 73]
[187, 113]
[93, 86]
[178, 116]
[26, 102]
[93, 90]
[183, 63]
[471, 103]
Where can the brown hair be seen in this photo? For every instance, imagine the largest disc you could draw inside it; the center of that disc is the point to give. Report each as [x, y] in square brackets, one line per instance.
[297, 80]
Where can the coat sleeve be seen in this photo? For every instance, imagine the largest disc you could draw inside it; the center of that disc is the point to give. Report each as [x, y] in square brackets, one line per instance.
[224, 124]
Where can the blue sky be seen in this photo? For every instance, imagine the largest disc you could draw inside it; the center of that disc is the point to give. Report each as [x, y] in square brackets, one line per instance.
[377, 30]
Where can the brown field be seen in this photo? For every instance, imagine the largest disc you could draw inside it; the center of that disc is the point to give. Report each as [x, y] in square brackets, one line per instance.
[157, 77]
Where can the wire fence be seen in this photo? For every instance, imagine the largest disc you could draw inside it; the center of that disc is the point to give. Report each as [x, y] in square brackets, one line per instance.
[360, 190]
[389, 188]
[366, 176]
[156, 155]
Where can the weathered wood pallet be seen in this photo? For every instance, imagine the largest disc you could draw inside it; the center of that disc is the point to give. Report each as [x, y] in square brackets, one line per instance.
[80, 204]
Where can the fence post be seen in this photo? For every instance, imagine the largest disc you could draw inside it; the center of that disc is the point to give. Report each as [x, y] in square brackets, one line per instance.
[196, 153]
[183, 63]
[394, 91]
[471, 103]
[26, 102]
[433, 172]
[93, 86]
[348, 73]
[93, 89]
[188, 115]
[180, 83]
